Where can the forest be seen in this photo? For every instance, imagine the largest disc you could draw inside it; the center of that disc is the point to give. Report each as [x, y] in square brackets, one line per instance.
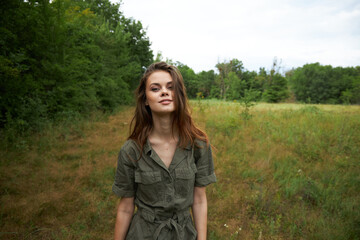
[66, 58]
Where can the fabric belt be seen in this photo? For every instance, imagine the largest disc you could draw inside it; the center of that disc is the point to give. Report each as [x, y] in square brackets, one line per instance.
[169, 220]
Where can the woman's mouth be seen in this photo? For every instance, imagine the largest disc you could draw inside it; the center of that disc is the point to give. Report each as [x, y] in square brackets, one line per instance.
[165, 101]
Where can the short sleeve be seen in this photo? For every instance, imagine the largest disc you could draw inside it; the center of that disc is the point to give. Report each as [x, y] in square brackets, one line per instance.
[124, 183]
[205, 174]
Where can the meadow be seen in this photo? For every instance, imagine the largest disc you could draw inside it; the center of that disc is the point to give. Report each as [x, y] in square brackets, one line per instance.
[286, 171]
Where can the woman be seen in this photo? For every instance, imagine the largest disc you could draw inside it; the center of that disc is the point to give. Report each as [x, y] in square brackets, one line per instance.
[164, 165]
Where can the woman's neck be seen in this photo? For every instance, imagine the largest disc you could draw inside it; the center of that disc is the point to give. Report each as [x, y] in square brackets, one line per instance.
[163, 128]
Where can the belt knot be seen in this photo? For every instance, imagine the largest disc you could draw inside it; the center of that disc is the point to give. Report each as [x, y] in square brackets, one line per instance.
[170, 221]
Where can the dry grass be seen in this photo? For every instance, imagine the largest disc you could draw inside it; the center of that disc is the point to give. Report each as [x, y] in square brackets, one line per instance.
[63, 192]
[290, 172]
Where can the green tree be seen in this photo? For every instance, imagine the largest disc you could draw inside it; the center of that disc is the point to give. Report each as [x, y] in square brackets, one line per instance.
[224, 69]
[206, 80]
[66, 57]
[190, 79]
[236, 86]
[141, 56]
[275, 87]
[277, 90]
[324, 84]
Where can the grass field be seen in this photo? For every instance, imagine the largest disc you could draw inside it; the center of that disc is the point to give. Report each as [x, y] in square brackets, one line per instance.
[290, 171]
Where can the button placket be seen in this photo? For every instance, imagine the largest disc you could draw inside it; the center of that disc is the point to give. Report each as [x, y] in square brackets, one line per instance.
[171, 179]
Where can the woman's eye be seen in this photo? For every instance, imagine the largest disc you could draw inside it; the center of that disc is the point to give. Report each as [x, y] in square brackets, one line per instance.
[154, 89]
[170, 87]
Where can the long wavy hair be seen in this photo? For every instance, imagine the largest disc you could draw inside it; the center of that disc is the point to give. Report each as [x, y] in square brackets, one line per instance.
[142, 122]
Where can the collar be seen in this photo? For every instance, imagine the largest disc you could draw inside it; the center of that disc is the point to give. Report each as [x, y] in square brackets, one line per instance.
[188, 146]
[148, 148]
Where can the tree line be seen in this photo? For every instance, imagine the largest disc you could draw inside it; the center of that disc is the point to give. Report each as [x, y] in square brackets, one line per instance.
[311, 83]
[314, 83]
[233, 82]
[64, 58]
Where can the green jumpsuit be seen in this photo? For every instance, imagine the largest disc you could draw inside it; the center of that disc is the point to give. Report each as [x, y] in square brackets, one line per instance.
[163, 196]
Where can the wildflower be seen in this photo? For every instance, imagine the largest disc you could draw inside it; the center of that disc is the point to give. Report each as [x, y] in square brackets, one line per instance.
[239, 228]
[299, 171]
[225, 225]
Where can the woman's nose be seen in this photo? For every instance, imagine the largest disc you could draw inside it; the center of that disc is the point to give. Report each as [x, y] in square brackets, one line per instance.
[164, 92]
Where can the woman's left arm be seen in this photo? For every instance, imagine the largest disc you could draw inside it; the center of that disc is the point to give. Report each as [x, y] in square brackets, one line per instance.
[199, 210]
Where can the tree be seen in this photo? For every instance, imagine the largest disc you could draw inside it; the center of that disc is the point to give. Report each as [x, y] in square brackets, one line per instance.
[236, 86]
[190, 79]
[277, 90]
[224, 69]
[66, 57]
[275, 87]
[324, 84]
[206, 80]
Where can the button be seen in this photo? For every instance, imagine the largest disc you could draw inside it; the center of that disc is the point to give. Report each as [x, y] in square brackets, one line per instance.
[168, 178]
[168, 198]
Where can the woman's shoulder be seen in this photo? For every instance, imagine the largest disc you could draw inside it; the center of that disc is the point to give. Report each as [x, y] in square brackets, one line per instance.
[130, 146]
[129, 151]
[198, 143]
[201, 147]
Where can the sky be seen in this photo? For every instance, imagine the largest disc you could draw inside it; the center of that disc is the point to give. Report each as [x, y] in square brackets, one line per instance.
[201, 33]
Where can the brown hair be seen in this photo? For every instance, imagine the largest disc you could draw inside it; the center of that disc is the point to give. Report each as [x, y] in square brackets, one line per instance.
[142, 122]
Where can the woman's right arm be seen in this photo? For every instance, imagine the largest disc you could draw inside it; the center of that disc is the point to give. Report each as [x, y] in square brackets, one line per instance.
[124, 215]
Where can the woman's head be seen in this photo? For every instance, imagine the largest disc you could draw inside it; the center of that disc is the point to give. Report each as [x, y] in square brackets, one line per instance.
[177, 91]
[182, 121]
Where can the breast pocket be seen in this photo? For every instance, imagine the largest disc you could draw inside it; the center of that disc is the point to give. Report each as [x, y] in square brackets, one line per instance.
[184, 181]
[149, 186]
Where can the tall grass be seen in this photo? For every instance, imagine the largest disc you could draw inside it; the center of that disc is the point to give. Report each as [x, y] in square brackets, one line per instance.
[290, 172]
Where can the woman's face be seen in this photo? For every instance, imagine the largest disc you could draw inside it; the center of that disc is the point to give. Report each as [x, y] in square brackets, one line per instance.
[159, 93]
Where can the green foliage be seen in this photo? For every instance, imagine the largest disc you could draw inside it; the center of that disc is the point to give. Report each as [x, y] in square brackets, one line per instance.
[190, 79]
[66, 56]
[236, 86]
[206, 82]
[230, 73]
[276, 89]
[315, 83]
[311, 84]
[248, 101]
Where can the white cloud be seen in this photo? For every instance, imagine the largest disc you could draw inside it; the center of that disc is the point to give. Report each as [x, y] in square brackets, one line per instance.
[200, 33]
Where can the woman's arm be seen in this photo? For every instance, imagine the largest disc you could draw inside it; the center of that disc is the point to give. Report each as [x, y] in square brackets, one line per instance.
[199, 210]
[124, 215]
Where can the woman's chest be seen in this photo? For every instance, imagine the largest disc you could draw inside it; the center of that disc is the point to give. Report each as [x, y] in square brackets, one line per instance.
[165, 152]
[157, 184]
